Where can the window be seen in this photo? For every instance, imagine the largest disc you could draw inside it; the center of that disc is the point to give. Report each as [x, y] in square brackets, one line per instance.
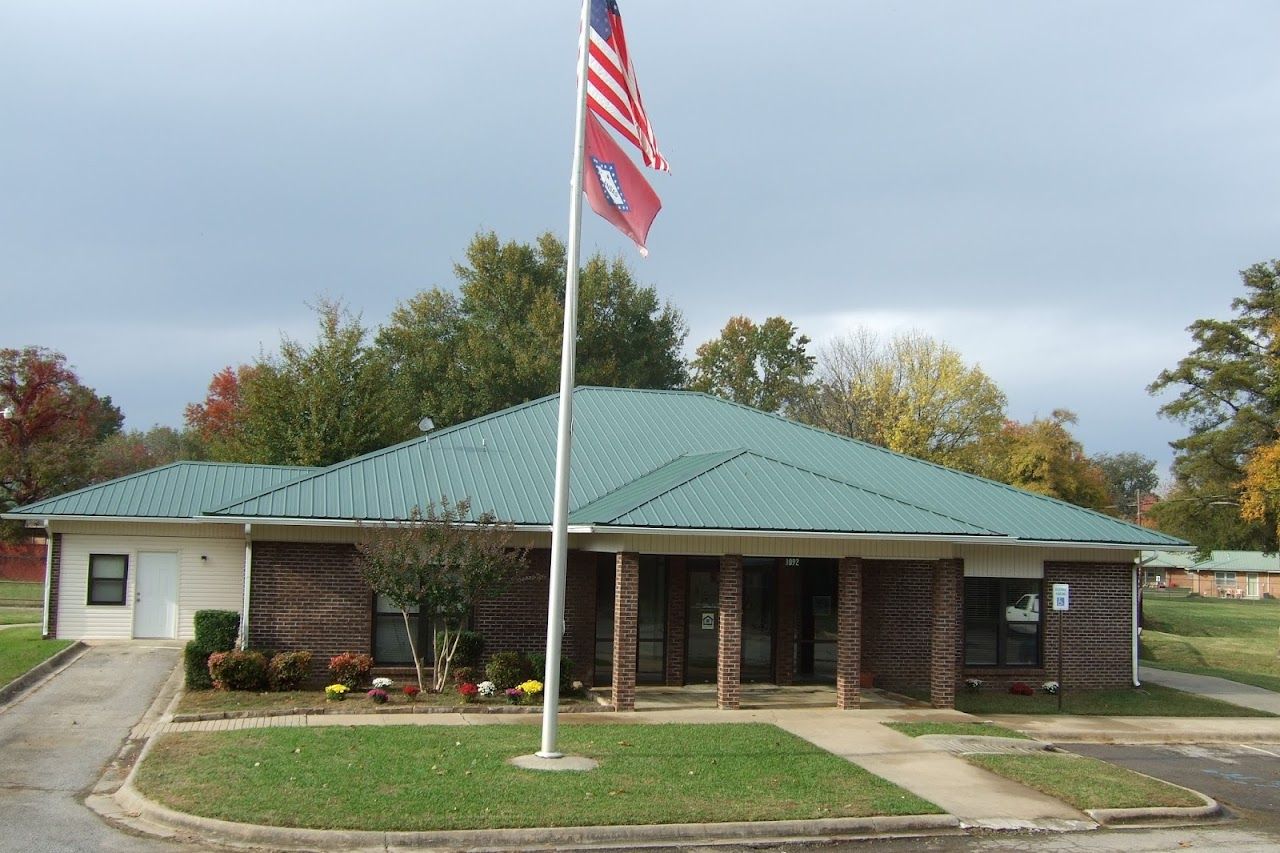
[108, 577]
[390, 640]
[1224, 578]
[1002, 621]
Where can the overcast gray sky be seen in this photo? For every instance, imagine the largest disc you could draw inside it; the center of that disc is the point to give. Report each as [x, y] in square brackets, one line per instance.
[1056, 189]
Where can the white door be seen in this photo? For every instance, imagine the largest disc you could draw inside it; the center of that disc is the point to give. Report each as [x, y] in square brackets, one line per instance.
[155, 600]
[1253, 585]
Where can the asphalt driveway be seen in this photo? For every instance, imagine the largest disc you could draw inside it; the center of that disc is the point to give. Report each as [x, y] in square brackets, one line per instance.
[56, 740]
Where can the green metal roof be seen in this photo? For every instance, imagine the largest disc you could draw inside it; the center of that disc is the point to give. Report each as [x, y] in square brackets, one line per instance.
[180, 490]
[675, 456]
[1222, 561]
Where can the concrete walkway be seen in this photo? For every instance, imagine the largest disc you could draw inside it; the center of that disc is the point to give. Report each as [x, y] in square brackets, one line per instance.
[1245, 695]
[976, 797]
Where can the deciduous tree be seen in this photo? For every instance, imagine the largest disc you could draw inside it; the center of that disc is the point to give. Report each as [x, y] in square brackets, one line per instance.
[1044, 457]
[440, 563]
[764, 366]
[50, 426]
[1128, 477]
[496, 342]
[129, 452]
[913, 394]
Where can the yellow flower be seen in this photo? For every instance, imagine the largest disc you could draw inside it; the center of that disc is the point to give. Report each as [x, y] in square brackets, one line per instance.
[531, 686]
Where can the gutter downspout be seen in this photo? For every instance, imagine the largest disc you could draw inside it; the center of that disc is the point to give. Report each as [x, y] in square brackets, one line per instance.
[1137, 615]
[248, 577]
[48, 580]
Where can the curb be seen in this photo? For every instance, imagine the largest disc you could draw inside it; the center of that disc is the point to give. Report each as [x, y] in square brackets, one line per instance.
[286, 838]
[1159, 814]
[39, 672]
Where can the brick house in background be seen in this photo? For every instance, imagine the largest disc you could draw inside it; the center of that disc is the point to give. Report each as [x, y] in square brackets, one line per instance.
[1224, 574]
[22, 562]
[710, 543]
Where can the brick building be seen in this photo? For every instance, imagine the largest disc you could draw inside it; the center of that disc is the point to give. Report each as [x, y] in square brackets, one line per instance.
[709, 543]
[1223, 574]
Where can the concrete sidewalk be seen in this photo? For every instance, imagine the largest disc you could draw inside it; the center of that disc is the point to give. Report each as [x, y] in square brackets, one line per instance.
[1053, 728]
[1245, 695]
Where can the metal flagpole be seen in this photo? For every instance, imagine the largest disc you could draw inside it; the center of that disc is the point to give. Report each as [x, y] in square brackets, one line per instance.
[564, 435]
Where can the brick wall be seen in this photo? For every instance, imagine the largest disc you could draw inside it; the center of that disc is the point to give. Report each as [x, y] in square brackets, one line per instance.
[849, 616]
[1098, 652]
[948, 610]
[897, 621]
[729, 656]
[55, 543]
[626, 613]
[309, 596]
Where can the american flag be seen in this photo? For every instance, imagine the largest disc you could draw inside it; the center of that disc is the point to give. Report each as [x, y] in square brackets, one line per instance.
[612, 91]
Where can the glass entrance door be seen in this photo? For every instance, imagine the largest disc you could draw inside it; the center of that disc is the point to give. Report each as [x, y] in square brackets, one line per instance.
[703, 622]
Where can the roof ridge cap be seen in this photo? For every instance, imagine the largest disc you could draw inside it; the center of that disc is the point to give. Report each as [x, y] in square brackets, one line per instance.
[728, 455]
[878, 494]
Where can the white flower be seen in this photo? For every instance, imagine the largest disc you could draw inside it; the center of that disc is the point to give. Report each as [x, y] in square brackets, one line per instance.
[382, 683]
[973, 683]
[487, 688]
[1050, 687]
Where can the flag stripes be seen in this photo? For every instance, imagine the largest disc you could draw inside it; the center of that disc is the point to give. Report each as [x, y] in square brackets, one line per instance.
[612, 91]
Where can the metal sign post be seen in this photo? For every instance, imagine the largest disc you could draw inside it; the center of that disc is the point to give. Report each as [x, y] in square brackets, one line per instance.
[1061, 604]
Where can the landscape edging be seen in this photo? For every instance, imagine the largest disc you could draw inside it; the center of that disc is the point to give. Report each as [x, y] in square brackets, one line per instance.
[34, 675]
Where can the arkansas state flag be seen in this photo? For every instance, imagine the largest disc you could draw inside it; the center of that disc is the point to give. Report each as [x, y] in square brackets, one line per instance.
[615, 188]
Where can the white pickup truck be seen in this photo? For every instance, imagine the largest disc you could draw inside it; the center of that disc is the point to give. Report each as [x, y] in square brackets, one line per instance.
[1025, 609]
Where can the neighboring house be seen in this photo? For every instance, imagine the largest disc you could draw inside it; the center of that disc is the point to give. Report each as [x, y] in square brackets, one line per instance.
[1225, 574]
[709, 542]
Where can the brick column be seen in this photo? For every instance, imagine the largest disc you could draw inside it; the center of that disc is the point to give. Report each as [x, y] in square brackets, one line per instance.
[676, 616]
[948, 606]
[788, 614]
[849, 633]
[729, 653]
[55, 578]
[626, 614]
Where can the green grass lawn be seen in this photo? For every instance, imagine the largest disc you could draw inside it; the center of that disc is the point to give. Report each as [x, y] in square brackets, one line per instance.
[1150, 700]
[213, 701]
[1085, 783]
[983, 729]
[22, 648]
[21, 593]
[18, 615]
[451, 777]
[1232, 639]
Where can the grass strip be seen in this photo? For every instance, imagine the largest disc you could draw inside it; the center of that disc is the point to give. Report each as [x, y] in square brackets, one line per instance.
[1085, 783]
[21, 649]
[941, 728]
[1150, 700]
[437, 777]
[18, 615]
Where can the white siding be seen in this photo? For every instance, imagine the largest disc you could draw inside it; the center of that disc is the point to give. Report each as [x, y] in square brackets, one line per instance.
[215, 582]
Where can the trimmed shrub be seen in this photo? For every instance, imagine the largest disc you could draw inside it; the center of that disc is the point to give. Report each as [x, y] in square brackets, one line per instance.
[238, 670]
[195, 661]
[350, 669]
[217, 630]
[538, 661]
[507, 669]
[288, 670]
[470, 650]
[463, 674]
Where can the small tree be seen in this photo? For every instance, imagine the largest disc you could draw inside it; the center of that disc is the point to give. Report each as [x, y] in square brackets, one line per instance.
[442, 562]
